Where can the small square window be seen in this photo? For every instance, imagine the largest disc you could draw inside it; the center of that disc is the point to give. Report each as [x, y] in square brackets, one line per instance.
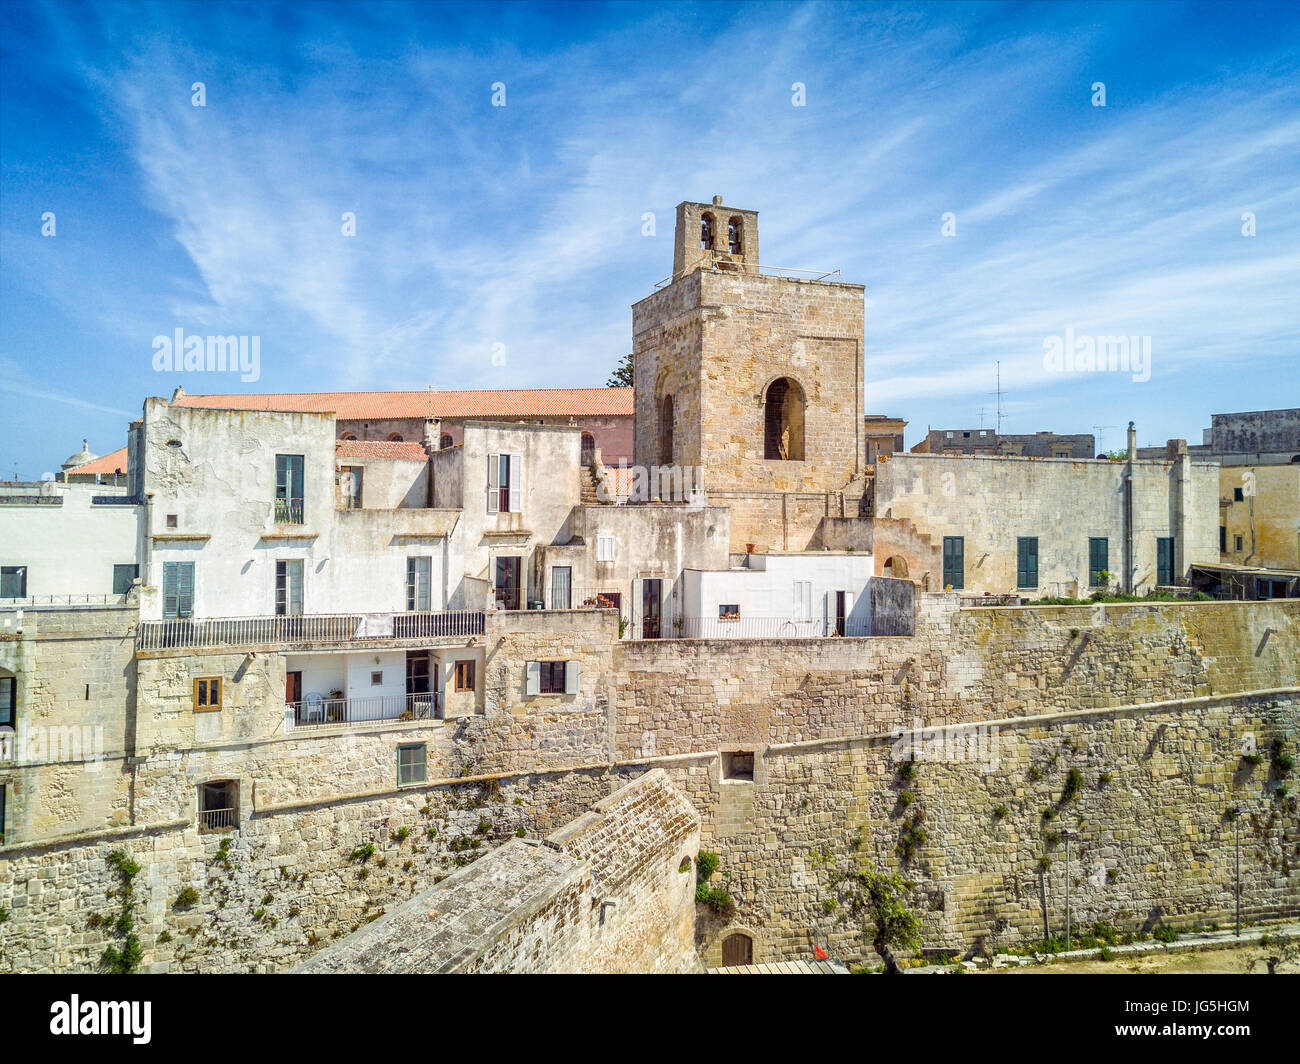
[729, 612]
[465, 676]
[377, 679]
[1237, 543]
[172, 521]
[412, 764]
[207, 694]
[738, 765]
[1238, 495]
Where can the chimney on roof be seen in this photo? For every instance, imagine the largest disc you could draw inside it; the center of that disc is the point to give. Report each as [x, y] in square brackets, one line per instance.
[179, 393]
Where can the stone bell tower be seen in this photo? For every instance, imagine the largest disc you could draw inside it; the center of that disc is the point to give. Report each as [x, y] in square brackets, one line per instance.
[709, 234]
[754, 378]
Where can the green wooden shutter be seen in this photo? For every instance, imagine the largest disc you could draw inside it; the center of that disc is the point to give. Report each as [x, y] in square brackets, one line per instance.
[954, 562]
[1027, 561]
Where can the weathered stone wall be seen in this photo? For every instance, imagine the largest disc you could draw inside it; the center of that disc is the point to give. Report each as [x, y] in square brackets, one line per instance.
[605, 893]
[1063, 502]
[312, 797]
[293, 878]
[1151, 840]
[1266, 517]
[74, 678]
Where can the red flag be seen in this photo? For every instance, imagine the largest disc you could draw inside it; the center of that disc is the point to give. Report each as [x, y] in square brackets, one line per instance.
[819, 953]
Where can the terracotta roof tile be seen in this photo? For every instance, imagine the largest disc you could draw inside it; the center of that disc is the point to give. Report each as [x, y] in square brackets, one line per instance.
[492, 403]
[108, 464]
[409, 452]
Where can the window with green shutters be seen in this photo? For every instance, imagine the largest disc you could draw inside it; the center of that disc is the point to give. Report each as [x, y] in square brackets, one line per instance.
[1027, 561]
[954, 562]
[178, 589]
[1098, 560]
[1165, 561]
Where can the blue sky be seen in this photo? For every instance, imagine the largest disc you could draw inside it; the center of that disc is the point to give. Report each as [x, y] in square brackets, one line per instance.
[522, 225]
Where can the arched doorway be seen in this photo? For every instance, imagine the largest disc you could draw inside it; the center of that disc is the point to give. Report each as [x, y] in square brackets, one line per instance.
[588, 448]
[737, 948]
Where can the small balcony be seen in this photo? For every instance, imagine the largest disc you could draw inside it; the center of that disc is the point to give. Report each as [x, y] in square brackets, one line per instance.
[288, 511]
[218, 820]
[308, 629]
[316, 711]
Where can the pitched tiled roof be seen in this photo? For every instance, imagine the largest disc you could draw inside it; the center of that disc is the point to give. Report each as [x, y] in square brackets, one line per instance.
[410, 452]
[109, 464]
[493, 403]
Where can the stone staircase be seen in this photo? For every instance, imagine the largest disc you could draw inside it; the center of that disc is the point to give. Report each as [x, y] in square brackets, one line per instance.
[589, 495]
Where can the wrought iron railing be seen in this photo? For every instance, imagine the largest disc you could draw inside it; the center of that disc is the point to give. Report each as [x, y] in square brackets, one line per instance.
[307, 628]
[288, 511]
[318, 711]
[218, 819]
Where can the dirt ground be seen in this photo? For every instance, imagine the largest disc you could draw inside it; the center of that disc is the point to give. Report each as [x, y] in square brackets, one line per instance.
[1230, 961]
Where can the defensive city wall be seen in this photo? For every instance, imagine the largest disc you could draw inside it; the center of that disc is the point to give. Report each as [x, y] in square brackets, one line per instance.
[1128, 732]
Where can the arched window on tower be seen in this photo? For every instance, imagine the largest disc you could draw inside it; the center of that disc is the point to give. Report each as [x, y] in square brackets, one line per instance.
[666, 430]
[706, 233]
[783, 415]
[395, 437]
[733, 237]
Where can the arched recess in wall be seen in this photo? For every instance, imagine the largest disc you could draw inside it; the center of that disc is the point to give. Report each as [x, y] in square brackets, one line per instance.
[783, 421]
[395, 437]
[444, 441]
[348, 436]
[666, 427]
[588, 448]
[708, 231]
[896, 566]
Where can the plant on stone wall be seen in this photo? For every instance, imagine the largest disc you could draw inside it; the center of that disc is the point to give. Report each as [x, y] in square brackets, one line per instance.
[1073, 785]
[187, 897]
[879, 899]
[716, 898]
[363, 853]
[911, 838]
[127, 959]
[1000, 812]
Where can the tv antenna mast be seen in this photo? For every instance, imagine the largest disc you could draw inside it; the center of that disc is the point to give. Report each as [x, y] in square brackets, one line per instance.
[998, 393]
[1100, 430]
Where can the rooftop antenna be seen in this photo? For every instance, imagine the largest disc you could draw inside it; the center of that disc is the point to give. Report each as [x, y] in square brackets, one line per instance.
[1100, 430]
[998, 393]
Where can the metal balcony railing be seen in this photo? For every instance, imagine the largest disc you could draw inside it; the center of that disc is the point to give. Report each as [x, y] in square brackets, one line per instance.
[307, 628]
[288, 511]
[218, 819]
[317, 711]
